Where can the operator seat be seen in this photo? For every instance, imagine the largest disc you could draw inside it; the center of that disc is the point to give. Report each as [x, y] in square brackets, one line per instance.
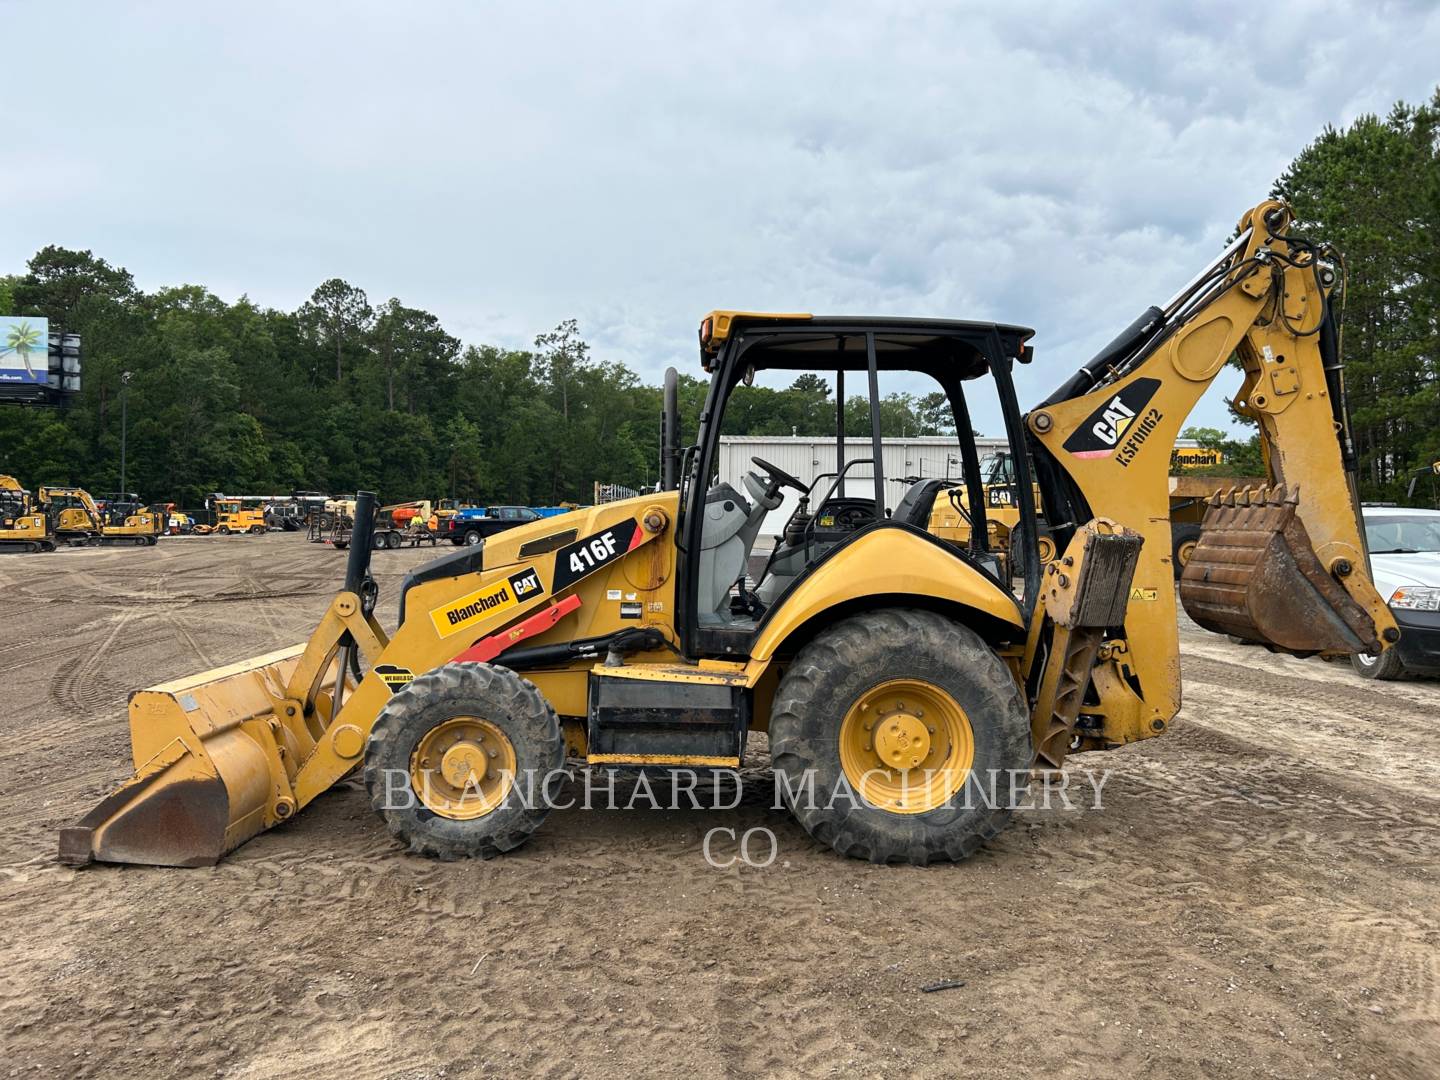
[726, 540]
[914, 508]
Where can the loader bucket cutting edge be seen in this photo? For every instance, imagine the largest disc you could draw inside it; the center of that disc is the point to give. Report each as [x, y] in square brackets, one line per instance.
[1254, 574]
[203, 783]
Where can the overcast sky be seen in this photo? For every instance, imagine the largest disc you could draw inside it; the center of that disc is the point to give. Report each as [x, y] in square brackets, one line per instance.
[506, 166]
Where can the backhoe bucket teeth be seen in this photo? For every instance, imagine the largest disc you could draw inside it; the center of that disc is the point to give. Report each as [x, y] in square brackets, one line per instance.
[1254, 574]
[214, 758]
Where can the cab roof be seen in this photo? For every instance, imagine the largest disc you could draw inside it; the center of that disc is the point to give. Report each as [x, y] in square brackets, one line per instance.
[818, 342]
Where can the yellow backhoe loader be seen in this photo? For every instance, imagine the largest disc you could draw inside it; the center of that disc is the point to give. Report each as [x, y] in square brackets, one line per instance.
[77, 521]
[230, 515]
[22, 526]
[901, 678]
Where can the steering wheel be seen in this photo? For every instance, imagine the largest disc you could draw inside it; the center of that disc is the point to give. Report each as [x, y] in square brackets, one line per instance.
[779, 477]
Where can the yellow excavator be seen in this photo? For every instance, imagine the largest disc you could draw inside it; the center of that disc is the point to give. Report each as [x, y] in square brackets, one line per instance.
[909, 688]
[77, 521]
[22, 526]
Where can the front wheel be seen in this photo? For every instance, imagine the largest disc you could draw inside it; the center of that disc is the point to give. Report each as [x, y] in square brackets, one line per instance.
[223, 530]
[459, 761]
[1385, 667]
[899, 736]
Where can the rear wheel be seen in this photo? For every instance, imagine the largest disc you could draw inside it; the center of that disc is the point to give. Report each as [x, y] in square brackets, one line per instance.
[1385, 667]
[1183, 539]
[392, 540]
[900, 737]
[472, 537]
[458, 761]
[223, 530]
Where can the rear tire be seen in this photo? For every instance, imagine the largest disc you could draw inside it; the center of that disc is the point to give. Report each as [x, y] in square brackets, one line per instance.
[495, 695]
[1387, 667]
[472, 537]
[1182, 545]
[830, 678]
[392, 541]
[223, 530]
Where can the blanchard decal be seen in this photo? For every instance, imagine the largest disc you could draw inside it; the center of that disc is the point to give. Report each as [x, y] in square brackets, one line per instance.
[631, 611]
[486, 601]
[396, 678]
[1104, 429]
[590, 553]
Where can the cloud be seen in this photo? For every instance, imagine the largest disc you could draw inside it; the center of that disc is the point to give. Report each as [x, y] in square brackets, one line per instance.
[506, 166]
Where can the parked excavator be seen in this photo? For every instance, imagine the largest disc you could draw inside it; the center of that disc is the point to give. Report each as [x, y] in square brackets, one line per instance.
[886, 663]
[77, 521]
[22, 526]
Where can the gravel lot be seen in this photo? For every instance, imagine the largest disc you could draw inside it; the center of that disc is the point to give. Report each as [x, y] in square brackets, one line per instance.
[1257, 897]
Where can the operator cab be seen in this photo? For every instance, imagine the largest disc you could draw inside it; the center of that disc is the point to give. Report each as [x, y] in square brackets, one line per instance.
[722, 521]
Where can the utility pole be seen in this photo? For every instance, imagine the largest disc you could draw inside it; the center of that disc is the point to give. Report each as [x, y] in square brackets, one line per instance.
[124, 424]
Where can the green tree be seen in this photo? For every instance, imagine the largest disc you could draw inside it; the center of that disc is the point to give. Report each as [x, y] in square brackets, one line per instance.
[336, 316]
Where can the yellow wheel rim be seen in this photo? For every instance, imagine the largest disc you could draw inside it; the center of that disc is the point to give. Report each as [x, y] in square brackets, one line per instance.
[906, 746]
[1185, 552]
[463, 769]
[1047, 549]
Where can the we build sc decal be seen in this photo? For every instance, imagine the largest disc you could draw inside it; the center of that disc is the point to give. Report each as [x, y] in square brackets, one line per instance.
[1120, 425]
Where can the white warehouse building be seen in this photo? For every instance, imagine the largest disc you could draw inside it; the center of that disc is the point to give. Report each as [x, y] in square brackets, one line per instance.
[809, 457]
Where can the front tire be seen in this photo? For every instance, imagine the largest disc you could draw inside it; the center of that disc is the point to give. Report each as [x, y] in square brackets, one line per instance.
[965, 726]
[1385, 667]
[433, 763]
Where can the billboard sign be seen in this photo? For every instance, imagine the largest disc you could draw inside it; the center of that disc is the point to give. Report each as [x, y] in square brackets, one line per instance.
[24, 351]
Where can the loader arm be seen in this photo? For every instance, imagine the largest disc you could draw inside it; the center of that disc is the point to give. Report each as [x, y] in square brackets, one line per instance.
[1285, 565]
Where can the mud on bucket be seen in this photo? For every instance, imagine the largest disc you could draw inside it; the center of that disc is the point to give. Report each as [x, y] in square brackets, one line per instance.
[1254, 574]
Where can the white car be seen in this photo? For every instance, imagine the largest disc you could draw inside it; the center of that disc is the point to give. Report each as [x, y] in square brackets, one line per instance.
[1405, 560]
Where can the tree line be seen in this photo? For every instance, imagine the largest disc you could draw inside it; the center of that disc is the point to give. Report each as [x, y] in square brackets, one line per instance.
[345, 393]
[342, 394]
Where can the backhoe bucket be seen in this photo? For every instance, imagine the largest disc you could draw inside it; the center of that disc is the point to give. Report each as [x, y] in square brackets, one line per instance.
[213, 755]
[1254, 574]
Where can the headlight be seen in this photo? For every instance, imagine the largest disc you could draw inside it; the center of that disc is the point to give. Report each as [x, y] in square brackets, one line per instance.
[1416, 598]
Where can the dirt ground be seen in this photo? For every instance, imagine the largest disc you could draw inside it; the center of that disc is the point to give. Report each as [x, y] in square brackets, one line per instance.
[1258, 895]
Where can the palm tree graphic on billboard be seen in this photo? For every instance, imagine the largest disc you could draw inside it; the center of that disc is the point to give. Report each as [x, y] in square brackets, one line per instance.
[21, 339]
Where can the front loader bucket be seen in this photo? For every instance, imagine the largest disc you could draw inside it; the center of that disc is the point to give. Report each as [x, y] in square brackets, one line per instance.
[211, 762]
[1254, 574]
